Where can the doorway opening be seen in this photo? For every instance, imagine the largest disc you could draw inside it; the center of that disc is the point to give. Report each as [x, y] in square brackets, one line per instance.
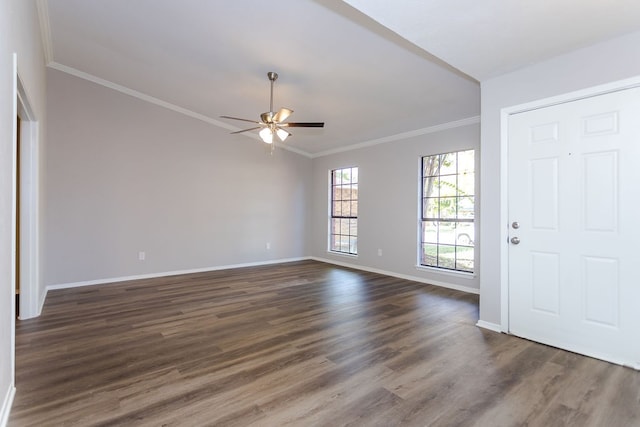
[26, 209]
[17, 266]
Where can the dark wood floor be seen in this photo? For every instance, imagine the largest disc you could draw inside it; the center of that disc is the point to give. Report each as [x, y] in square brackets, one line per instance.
[299, 344]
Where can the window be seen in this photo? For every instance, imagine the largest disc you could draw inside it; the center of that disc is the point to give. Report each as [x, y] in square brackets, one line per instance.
[343, 227]
[447, 211]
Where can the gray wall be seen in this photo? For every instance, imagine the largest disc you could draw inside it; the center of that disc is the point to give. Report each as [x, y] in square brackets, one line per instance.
[602, 63]
[125, 176]
[389, 176]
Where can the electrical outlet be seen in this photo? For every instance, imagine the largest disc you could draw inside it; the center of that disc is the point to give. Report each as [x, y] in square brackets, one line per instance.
[268, 245]
[141, 256]
[379, 252]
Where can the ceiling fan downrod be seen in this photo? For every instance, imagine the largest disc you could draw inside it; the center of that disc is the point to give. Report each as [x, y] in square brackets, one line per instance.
[272, 78]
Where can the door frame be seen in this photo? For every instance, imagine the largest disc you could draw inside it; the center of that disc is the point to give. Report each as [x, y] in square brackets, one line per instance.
[505, 113]
[29, 203]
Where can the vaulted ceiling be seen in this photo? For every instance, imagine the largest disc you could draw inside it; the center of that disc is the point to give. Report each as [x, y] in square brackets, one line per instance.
[364, 67]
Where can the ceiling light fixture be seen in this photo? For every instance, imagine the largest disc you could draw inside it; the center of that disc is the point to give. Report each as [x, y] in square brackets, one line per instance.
[272, 123]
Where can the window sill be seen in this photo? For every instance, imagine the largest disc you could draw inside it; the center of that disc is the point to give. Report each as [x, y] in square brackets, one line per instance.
[460, 274]
[343, 254]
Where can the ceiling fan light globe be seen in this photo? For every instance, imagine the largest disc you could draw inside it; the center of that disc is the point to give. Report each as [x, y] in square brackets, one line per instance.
[282, 134]
[266, 135]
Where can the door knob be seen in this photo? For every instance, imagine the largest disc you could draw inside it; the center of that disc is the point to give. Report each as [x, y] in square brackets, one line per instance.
[515, 240]
[515, 225]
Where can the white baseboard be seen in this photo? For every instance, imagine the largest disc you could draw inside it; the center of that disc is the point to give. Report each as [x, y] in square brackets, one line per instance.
[400, 276]
[6, 405]
[43, 298]
[490, 326]
[168, 273]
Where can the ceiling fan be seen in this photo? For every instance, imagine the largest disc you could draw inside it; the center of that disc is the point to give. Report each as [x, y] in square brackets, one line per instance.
[273, 123]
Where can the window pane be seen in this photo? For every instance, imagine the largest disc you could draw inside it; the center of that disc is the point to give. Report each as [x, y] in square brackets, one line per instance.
[354, 175]
[334, 242]
[336, 193]
[464, 258]
[353, 227]
[430, 165]
[429, 187]
[430, 208]
[353, 245]
[447, 207]
[430, 232]
[343, 246]
[337, 177]
[346, 176]
[353, 192]
[447, 256]
[465, 234]
[447, 186]
[354, 208]
[448, 164]
[344, 227]
[465, 185]
[430, 255]
[466, 161]
[447, 233]
[337, 209]
[465, 208]
[345, 191]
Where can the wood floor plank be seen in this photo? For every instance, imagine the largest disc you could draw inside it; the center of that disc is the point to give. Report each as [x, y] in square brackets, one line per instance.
[297, 344]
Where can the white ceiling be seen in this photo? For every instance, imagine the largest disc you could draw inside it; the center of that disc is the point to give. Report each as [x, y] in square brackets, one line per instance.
[491, 37]
[336, 64]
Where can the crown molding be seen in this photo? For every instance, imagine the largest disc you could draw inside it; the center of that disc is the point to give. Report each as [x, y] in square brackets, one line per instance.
[45, 30]
[159, 102]
[400, 136]
[181, 110]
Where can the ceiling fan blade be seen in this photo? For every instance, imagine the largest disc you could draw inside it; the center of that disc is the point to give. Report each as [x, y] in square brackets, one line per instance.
[246, 130]
[237, 118]
[303, 125]
[282, 115]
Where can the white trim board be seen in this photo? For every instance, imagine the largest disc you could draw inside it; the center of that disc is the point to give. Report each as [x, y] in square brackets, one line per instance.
[489, 326]
[168, 273]
[45, 30]
[5, 409]
[254, 264]
[400, 136]
[441, 284]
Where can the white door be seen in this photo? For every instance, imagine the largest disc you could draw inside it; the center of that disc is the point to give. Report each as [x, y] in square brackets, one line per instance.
[574, 192]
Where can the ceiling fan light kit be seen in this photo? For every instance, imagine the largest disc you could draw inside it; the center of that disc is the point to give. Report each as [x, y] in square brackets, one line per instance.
[273, 123]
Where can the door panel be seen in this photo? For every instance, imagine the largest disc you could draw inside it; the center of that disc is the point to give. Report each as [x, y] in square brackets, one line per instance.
[574, 175]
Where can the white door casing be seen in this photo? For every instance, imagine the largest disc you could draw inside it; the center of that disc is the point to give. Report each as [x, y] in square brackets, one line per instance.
[573, 188]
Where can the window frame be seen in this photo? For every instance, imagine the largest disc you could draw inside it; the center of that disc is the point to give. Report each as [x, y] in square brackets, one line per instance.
[336, 212]
[451, 221]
